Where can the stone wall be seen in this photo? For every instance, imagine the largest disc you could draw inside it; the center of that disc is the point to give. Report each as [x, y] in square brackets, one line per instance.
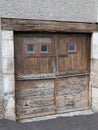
[94, 71]
[7, 85]
[63, 10]
[1, 79]
[7, 44]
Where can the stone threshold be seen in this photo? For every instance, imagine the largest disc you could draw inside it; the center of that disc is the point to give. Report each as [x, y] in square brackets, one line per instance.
[68, 114]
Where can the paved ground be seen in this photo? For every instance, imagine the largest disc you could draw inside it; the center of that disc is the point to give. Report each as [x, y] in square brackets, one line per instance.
[84, 122]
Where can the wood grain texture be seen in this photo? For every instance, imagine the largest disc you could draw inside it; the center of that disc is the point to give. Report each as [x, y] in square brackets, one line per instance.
[56, 93]
[37, 63]
[72, 93]
[59, 60]
[33, 97]
[49, 26]
[67, 89]
[77, 62]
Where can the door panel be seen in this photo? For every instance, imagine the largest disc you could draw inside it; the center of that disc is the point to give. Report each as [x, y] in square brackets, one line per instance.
[31, 65]
[46, 65]
[73, 61]
[34, 97]
[72, 93]
[62, 64]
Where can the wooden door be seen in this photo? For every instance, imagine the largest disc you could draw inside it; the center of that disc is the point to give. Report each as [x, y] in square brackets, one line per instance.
[52, 72]
[73, 53]
[35, 70]
[73, 62]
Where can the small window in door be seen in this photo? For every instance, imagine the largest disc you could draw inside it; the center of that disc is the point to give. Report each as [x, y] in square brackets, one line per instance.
[30, 48]
[71, 48]
[44, 48]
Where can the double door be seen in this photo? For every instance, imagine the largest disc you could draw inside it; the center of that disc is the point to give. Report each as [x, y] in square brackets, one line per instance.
[52, 73]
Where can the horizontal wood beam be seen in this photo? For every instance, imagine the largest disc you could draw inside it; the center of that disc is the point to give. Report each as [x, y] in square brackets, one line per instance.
[46, 25]
[52, 77]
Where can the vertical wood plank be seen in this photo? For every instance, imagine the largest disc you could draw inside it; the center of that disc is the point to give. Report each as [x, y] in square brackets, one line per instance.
[56, 94]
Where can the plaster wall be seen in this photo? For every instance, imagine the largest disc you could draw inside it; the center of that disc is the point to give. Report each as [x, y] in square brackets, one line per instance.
[63, 10]
[96, 8]
[94, 71]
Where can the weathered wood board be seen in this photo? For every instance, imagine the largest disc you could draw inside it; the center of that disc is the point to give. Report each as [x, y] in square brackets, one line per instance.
[72, 93]
[34, 97]
[46, 25]
[52, 73]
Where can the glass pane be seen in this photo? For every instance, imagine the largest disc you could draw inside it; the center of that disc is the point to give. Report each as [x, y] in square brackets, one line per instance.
[30, 47]
[72, 47]
[44, 48]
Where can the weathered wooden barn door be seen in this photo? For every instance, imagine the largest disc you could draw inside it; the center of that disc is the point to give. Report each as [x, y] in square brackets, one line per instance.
[73, 59]
[35, 72]
[52, 72]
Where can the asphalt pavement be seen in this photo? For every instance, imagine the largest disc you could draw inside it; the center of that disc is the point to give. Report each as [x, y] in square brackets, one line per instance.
[81, 122]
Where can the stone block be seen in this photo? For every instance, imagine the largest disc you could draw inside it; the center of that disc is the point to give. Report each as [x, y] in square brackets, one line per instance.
[10, 107]
[95, 105]
[94, 46]
[94, 73]
[9, 96]
[9, 84]
[8, 65]
[94, 92]
[95, 99]
[8, 35]
[7, 48]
